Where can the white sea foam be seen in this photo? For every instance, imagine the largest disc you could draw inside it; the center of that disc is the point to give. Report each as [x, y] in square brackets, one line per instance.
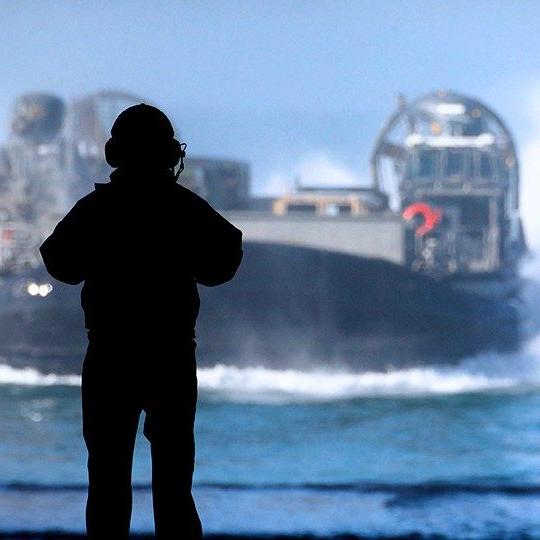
[484, 373]
[266, 385]
[488, 372]
[32, 377]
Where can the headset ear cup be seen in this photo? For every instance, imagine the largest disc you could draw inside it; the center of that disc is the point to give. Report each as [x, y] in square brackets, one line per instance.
[174, 153]
[113, 153]
[171, 152]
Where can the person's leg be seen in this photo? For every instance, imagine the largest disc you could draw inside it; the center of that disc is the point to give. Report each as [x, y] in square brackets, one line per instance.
[170, 414]
[110, 419]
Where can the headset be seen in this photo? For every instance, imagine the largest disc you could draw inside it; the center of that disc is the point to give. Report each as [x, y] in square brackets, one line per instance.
[182, 155]
[167, 150]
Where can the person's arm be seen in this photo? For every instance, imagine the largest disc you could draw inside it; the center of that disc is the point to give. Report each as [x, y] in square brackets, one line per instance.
[63, 252]
[218, 249]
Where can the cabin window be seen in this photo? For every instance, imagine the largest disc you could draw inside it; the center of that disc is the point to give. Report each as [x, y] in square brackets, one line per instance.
[423, 165]
[302, 208]
[427, 163]
[344, 209]
[503, 168]
[485, 168]
[455, 163]
[458, 163]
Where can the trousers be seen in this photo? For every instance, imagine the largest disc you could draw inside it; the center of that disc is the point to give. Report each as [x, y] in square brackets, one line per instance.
[120, 379]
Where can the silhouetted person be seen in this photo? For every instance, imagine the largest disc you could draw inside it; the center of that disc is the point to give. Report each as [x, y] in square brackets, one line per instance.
[141, 243]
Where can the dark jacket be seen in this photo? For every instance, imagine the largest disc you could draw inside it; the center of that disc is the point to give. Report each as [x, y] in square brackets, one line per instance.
[141, 247]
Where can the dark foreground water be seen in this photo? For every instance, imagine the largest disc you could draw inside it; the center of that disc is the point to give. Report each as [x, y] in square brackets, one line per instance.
[430, 452]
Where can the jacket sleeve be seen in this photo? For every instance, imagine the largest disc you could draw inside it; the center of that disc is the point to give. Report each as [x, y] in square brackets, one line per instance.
[63, 252]
[218, 249]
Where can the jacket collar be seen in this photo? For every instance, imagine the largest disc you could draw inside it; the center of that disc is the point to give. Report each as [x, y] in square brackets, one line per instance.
[158, 177]
[132, 181]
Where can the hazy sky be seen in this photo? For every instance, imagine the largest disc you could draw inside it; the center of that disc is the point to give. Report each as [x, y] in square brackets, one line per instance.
[294, 87]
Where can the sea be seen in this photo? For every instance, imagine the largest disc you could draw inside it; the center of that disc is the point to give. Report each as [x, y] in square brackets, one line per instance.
[446, 452]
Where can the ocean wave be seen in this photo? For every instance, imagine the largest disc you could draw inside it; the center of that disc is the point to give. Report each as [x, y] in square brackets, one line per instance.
[266, 385]
[32, 377]
[420, 489]
[488, 372]
[484, 373]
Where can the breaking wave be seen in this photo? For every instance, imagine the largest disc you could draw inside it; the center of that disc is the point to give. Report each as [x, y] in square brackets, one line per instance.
[32, 377]
[264, 385]
[484, 373]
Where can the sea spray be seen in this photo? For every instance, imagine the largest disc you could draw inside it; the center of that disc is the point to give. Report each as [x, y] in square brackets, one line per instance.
[485, 373]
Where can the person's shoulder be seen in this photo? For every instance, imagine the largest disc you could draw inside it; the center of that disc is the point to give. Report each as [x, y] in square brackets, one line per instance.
[102, 191]
[91, 200]
[189, 197]
[99, 189]
[185, 192]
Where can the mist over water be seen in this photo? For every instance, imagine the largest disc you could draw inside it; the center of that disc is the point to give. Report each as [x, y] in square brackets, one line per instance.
[487, 372]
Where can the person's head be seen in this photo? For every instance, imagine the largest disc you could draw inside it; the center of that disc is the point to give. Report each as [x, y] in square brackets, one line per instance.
[142, 138]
